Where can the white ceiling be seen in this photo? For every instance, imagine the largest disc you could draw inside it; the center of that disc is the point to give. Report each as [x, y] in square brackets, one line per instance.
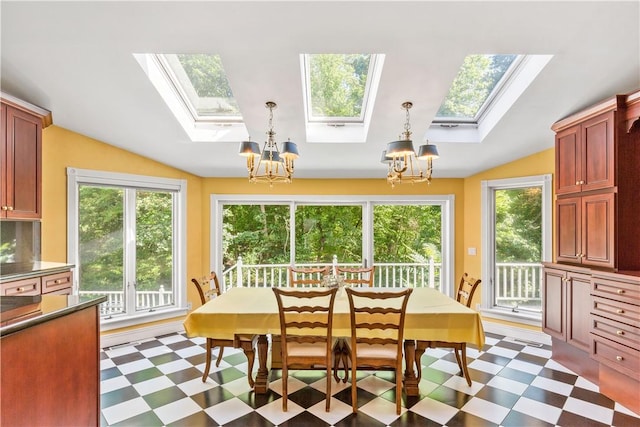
[75, 59]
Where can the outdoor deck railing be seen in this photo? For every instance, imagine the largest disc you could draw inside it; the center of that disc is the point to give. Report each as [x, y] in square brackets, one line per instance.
[516, 283]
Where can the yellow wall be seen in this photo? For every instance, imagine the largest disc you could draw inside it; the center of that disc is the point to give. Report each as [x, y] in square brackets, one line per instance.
[63, 148]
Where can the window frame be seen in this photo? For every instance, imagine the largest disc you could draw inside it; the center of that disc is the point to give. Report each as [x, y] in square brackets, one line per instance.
[488, 187]
[77, 177]
[446, 202]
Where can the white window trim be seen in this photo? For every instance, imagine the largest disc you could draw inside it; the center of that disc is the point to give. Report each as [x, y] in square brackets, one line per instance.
[488, 255]
[75, 177]
[447, 203]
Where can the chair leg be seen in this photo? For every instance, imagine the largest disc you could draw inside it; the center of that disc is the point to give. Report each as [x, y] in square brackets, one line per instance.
[328, 397]
[219, 356]
[285, 380]
[354, 387]
[464, 363]
[207, 365]
[455, 351]
[398, 390]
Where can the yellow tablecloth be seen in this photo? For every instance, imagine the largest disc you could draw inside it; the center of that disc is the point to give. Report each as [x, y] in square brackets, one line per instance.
[431, 316]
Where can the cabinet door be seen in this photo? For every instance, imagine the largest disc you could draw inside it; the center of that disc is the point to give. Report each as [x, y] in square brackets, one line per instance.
[553, 298]
[568, 163]
[598, 230]
[569, 230]
[24, 164]
[578, 310]
[597, 137]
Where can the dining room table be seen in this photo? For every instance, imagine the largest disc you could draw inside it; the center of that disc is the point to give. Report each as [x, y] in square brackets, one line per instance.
[430, 316]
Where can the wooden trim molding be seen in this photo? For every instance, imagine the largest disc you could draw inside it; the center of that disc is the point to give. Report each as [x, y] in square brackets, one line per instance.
[45, 115]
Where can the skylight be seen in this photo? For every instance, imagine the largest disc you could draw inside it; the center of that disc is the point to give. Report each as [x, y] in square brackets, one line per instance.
[339, 93]
[479, 79]
[484, 89]
[196, 89]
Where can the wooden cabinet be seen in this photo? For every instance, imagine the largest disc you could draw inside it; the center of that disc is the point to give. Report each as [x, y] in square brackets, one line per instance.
[567, 302]
[585, 155]
[21, 164]
[586, 230]
[597, 185]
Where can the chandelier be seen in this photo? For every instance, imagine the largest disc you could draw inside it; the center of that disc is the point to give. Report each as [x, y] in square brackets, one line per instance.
[271, 165]
[403, 162]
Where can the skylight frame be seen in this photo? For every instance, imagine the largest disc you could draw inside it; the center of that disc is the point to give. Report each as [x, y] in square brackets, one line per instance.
[485, 108]
[375, 61]
[205, 129]
[185, 98]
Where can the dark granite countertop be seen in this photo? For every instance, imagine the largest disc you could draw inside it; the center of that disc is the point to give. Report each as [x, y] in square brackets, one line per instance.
[25, 270]
[40, 308]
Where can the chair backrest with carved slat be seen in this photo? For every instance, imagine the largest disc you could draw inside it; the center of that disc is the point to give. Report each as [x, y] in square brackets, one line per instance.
[207, 293]
[466, 289]
[358, 275]
[307, 276]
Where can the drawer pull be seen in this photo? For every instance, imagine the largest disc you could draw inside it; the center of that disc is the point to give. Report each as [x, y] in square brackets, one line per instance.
[19, 289]
[619, 358]
[620, 332]
[620, 291]
[57, 282]
[619, 311]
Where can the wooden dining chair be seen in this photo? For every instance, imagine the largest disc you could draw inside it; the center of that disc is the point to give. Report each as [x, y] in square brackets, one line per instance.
[307, 276]
[466, 289]
[377, 329]
[357, 275]
[246, 342]
[306, 318]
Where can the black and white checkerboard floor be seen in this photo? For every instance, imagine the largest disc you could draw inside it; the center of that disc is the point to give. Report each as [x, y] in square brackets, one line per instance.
[158, 382]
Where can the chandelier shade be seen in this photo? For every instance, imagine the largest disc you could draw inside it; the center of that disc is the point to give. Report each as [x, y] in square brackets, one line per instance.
[402, 161]
[270, 165]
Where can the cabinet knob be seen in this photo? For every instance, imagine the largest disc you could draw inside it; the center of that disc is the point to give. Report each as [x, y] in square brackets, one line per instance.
[4, 208]
[9, 208]
[619, 311]
[619, 358]
[19, 289]
[620, 291]
[620, 332]
[577, 182]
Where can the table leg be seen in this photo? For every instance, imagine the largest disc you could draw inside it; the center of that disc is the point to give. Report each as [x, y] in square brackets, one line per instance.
[410, 379]
[262, 378]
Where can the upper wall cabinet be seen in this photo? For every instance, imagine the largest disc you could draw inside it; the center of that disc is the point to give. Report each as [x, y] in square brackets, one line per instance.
[21, 153]
[597, 185]
[585, 155]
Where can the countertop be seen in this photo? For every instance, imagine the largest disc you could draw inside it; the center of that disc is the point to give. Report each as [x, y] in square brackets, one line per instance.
[25, 270]
[41, 308]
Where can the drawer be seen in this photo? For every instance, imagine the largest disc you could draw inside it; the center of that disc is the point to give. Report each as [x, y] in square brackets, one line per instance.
[616, 331]
[22, 287]
[56, 282]
[619, 311]
[623, 359]
[616, 290]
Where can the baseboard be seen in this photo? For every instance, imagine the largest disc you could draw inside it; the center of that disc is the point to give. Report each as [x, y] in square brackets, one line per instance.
[139, 334]
[517, 333]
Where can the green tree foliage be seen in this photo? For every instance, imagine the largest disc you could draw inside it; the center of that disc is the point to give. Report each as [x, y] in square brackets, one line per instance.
[207, 75]
[337, 84]
[518, 225]
[407, 233]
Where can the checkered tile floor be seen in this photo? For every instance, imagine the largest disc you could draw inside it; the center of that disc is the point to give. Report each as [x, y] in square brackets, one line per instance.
[158, 382]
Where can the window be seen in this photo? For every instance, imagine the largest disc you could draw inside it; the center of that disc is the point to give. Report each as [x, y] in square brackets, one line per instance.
[484, 89]
[262, 235]
[516, 221]
[196, 90]
[340, 91]
[125, 235]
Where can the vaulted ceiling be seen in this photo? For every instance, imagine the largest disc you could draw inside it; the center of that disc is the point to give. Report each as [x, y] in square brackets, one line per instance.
[76, 60]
